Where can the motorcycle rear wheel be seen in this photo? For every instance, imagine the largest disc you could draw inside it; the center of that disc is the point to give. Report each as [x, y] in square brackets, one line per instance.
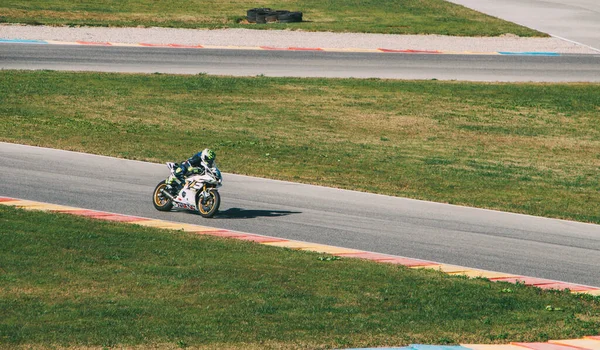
[160, 201]
[210, 207]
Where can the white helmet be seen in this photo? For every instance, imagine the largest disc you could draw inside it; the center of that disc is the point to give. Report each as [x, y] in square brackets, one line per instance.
[208, 156]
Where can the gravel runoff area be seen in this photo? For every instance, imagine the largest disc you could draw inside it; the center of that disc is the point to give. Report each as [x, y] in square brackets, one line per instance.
[285, 39]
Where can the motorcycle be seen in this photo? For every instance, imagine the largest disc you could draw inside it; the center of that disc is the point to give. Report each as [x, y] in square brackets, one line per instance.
[198, 193]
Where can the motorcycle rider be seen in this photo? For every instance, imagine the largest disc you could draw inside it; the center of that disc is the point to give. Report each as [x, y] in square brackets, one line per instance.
[193, 165]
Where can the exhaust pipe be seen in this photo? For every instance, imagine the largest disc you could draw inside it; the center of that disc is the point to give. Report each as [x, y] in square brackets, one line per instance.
[167, 194]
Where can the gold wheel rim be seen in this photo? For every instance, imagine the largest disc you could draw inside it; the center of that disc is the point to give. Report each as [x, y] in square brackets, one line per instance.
[157, 200]
[210, 200]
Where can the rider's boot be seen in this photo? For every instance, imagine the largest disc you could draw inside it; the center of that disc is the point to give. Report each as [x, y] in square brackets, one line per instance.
[177, 185]
[174, 187]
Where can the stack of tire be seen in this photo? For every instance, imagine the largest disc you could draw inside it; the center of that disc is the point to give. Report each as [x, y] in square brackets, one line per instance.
[266, 15]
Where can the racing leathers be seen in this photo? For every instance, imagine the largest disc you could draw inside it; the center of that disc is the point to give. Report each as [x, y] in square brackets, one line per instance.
[193, 165]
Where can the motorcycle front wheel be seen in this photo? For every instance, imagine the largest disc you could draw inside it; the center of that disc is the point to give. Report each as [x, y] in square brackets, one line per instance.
[208, 207]
[160, 201]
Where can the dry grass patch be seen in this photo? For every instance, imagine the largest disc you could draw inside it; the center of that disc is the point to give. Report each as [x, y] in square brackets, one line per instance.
[374, 16]
[113, 17]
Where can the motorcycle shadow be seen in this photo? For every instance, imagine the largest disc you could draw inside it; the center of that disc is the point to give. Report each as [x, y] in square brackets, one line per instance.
[238, 213]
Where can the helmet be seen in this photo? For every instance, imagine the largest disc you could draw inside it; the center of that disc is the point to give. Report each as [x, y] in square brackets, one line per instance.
[208, 156]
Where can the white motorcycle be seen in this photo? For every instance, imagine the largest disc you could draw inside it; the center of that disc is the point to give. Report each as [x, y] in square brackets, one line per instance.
[198, 193]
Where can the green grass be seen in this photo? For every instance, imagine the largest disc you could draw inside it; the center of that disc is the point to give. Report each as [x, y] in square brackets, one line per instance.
[373, 16]
[526, 148]
[67, 281]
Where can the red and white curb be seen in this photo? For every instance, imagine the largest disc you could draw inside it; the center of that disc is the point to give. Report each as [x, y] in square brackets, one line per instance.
[271, 48]
[299, 245]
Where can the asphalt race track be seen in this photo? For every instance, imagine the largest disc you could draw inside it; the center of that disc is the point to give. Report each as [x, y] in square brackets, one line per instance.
[518, 244]
[564, 68]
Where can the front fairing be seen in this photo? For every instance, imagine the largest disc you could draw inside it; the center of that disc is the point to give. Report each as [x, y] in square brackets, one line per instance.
[218, 174]
[212, 177]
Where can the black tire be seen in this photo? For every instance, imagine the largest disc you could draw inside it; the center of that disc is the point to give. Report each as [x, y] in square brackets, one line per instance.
[290, 17]
[261, 17]
[212, 204]
[251, 15]
[253, 11]
[160, 201]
